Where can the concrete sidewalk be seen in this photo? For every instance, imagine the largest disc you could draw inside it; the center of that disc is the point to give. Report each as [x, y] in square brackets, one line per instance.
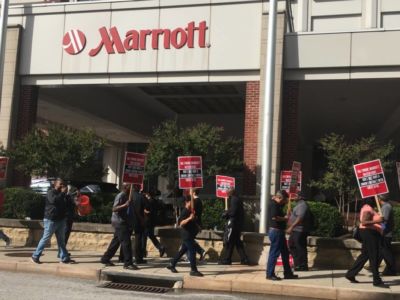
[318, 284]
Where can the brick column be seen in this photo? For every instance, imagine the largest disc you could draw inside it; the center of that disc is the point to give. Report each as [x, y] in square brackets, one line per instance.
[251, 136]
[26, 118]
[289, 124]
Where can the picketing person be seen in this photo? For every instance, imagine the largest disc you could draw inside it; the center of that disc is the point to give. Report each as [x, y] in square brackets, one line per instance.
[151, 207]
[189, 229]
[276, 232]
[388, 226]
[235, 218]
[298, 231]
[371, 236]
[122, 221]
[54, 222]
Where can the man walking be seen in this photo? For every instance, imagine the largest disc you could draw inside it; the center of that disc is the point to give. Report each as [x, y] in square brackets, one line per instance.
[122, 224]
[276, 233]
[138, 223]
[298, 231]
[54, 222]
[388, 225]
[235, 216]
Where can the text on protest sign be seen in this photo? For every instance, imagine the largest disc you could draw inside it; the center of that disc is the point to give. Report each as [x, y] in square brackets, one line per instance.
[3, 167]
[190, 171]
[296, 168]
[134, 168]
[286, 177]
[223, 185]
[370, 178]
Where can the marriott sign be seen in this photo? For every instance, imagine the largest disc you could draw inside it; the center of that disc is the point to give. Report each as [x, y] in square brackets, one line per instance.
[112, 42]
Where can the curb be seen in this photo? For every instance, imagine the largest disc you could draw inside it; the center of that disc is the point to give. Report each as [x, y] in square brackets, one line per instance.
[210, 284]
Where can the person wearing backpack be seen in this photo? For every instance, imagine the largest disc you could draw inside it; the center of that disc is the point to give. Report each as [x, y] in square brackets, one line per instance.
[299, 229]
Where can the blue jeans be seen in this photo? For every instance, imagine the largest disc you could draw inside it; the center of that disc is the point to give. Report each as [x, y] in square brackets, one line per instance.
[278, 247]
[50, 228]
[188, 247]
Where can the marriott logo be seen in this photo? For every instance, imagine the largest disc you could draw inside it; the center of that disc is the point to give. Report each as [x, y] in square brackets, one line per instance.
[111, 41]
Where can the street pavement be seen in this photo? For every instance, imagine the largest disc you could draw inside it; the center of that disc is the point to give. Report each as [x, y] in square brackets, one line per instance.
[317, 284]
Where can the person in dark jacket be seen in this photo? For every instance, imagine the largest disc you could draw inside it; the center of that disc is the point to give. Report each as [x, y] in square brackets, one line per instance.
[54, 222]
[189, 229]
[388, 226]
[235, 217]
[72, 200]
[150, 210]
[138, 223]
[122, 223]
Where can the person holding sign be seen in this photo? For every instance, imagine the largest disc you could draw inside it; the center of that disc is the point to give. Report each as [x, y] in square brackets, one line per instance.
[298, 231]
[388, 225]
[371, 235]
[189, 229]
[122, 223]
[235, 217]
[276, 233]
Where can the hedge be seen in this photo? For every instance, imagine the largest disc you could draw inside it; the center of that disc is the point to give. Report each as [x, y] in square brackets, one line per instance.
[328, 221]
[20, 203]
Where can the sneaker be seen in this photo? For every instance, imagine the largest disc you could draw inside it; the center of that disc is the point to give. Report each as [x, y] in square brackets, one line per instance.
[352, 279]
[380, 283]
[196, 273]
[162, 251]
[203, 255]
[291, 276]
[35, 260]
[172, 269]
[273, 278]
[131, 267]
[68, 261]
[108, 263]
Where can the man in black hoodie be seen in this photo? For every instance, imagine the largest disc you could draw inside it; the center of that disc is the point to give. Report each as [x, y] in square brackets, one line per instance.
[54, 222]
[235, 217]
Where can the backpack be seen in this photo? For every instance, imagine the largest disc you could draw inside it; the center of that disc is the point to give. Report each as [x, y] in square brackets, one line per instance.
[311, 223]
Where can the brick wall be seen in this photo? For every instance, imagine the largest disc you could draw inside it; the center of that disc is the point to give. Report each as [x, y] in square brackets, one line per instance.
[251, 136]
[289, 124]
[26, 118]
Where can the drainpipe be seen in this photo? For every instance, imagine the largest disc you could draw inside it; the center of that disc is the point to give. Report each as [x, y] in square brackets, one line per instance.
[3, 34]
[266, 154]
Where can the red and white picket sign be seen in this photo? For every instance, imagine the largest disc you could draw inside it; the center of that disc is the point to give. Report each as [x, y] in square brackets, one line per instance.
[190, 169]
[279, 262]
[371, 178]
[134, 168]
[296, 169]
[3, 167]
[286, 177]
[223, 185]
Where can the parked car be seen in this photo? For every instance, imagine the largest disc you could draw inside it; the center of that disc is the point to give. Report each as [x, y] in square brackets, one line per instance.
[42, 185]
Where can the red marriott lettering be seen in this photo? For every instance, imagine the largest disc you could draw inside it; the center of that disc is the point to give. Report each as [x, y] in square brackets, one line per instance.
[137, 39]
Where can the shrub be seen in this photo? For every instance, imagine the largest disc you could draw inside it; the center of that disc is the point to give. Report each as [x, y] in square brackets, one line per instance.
[396, 231]
[327, 220]
[20, 203]
[212, 214]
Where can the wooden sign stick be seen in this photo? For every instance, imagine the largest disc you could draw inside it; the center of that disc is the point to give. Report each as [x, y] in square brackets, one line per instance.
[289, 209]
[378, 205]
[226, 203]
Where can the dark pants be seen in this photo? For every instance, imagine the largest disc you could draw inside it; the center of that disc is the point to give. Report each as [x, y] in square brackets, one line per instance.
[68, 229]
[149, 233]
[298, 248]
[234, 241]
[278, 247]
[122, 236]
[371, 243]
[188, 245]
[139, 254]
[387, 256]
[197, 249]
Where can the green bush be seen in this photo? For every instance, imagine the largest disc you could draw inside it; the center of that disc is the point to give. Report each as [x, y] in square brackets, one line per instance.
[212, 211]
[328, 221]
[396, 231]
[20, 203]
